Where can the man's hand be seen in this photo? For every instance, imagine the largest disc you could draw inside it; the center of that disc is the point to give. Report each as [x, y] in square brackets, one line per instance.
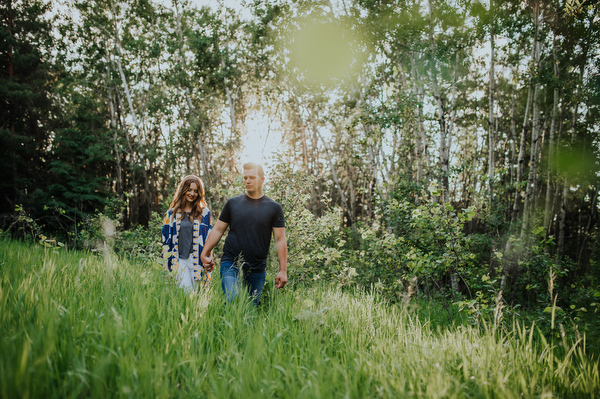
[281, 279]
[207, 262]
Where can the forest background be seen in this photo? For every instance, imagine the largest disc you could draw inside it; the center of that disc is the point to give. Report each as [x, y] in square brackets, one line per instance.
[442, 149]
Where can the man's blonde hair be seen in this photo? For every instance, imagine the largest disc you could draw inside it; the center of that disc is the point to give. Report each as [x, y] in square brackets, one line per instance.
[257, 166]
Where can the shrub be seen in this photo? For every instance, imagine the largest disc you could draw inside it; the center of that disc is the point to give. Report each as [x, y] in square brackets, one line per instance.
[313, 242]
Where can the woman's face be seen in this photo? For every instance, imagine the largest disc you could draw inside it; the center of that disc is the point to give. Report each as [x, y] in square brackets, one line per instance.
[192, 193]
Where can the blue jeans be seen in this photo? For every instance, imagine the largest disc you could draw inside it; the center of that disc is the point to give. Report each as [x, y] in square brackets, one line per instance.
[254, 282]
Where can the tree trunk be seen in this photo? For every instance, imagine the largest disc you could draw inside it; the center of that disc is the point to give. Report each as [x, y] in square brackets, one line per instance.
[139, 153]
[195, 120]
[521, 157]
[513, 134]
[441, 112]
[533, 160]
[445, 130]
[532, 155]
[450, 128]
[562, 217]
[372, 150]
[549, 211]
[9, 24]
[332, 167]
[591, 217]
[373, 147]
[113, 127]
[421, 145]
[350, 171]
[491, 124]
[307, 157]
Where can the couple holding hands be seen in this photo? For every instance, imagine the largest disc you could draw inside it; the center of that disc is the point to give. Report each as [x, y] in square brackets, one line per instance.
[251, 218]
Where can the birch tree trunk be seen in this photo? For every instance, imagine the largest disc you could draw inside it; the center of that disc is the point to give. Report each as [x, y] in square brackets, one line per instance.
[195, 120]
[351, 176]
[373, 151]
[444, 151]
[135, 119]
[548, 212]
[535, 131]
[421, 145]
[450, 128]
[533, 161]
[513, 133]
[332, 168]
[521, 157]
[133, 216]
[307, 159]
[491, 124]
[562, 217]
[526, 127]
[113, 127]
[230, 103]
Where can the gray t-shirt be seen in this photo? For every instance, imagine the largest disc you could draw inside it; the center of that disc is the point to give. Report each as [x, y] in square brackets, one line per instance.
[186, 236]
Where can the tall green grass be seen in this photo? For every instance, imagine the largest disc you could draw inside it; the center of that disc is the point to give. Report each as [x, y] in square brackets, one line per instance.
[79, 325]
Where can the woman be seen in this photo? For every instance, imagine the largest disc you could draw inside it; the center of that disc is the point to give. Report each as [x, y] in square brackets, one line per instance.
[186, 226]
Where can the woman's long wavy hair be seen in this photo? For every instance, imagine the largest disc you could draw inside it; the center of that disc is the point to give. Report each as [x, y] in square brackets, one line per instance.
[179, 199]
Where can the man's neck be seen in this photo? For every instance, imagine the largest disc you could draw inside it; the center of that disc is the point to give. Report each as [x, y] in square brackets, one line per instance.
[255, 195]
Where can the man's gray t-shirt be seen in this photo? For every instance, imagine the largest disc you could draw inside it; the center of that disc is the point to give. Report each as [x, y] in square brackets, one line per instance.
[250, 225]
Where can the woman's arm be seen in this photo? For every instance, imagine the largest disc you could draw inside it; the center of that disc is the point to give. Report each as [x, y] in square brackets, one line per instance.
[166, 240]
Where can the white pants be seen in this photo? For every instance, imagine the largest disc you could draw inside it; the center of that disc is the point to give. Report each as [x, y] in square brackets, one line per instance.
[185, 276]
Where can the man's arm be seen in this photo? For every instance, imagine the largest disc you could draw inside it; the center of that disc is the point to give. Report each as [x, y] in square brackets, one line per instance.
[211, 241]
[281, 247]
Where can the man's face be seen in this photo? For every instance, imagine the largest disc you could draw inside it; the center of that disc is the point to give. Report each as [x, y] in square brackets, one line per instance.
[252, 181]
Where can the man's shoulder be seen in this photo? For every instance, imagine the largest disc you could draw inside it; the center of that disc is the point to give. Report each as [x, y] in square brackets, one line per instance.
[236, 198]
[272, 206]
[271, 201]
[244, 200]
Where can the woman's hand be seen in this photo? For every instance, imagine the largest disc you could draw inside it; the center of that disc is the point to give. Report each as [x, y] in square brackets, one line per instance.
[207, 261]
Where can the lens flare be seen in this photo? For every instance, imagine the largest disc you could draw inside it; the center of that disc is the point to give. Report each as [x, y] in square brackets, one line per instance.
[324, 53]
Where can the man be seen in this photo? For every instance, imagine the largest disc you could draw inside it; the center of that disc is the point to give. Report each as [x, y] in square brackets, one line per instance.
[252, 218]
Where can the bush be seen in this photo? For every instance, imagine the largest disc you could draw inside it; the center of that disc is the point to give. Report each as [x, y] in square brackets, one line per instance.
[313, 242]
[140, 243]
[22, 226]
[424, 242]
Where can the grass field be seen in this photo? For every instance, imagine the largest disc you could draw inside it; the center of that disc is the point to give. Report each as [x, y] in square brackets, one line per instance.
[80, 325]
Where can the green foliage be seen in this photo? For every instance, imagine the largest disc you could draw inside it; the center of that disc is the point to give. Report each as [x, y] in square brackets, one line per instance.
[425, 242]
[26, 107]
[313, 243]
[82, 158]
[68, 145]
[437, 230]
[409, 248]
[74, 324]
[141, 244]
[529, 263]
[582, 305]
[23, 226]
